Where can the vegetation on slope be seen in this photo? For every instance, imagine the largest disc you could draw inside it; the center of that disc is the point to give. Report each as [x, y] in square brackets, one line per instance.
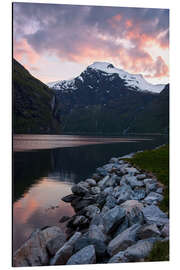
[160, 252]
[32, 104]
[155, 116]
[105, 104]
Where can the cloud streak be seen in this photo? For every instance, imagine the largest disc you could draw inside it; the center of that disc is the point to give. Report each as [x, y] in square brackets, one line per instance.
[84, 34]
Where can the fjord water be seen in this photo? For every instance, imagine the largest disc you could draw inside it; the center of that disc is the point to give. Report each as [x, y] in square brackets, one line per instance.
[41, 177]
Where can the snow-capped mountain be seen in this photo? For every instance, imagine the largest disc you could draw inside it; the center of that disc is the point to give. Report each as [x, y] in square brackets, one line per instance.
[108, 71]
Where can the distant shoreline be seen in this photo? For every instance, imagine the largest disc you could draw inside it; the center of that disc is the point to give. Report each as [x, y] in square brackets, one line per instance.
[27, 142]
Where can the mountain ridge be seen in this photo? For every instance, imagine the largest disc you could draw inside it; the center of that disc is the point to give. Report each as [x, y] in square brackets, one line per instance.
[135, 81]
[95, 102]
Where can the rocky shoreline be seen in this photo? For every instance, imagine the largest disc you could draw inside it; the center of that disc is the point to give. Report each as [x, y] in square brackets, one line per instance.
[117, 220]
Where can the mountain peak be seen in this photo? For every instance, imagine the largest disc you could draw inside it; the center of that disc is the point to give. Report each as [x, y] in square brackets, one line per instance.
[105, 66]
[98, 64]
[133, 81]
[136, 81]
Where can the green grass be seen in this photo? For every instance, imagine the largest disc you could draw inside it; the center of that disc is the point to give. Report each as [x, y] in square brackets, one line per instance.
[160, 252]
[157, 162]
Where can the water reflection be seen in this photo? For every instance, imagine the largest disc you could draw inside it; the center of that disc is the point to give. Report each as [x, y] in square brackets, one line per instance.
[40, 206]
[42, 177]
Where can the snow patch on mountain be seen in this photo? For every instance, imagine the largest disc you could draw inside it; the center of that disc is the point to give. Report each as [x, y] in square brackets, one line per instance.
[63, 85]
[134, 81]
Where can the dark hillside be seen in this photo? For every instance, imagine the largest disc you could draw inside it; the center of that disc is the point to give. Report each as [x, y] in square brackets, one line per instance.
[32, 104]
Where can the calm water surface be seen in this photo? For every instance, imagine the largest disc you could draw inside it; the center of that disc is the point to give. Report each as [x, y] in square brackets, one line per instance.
[41, 177]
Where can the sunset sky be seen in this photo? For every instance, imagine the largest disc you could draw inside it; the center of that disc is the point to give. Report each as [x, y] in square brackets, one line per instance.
[56, 42]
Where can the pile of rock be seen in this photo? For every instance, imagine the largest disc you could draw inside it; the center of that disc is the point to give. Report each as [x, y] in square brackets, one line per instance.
[117, 220]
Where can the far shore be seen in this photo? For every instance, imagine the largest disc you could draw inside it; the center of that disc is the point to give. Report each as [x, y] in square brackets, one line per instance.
[27, 142]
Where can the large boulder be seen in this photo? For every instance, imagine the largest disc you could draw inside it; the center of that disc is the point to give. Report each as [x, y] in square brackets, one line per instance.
[80, 221]
[99, 245]
[91, 211]
[112, 218]
[66, 251]
[82, 203]
[69, 198]
[131, 204]
[140, 250]
[95, 232]
[152, 214]
[153, 197]
[56, 243]
[80, 189]
[148, 231]
[91, 182]
[123, 240]
[124, 193]
[86, 255]
[95, 190]
[133, 211]
[133, 182]
[33, 252]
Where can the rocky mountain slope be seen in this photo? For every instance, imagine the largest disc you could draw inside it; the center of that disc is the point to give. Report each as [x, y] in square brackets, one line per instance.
[32, 104]
[105, 99]
[134, 81]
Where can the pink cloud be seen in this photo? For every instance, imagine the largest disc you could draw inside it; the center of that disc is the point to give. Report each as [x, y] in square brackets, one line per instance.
[160, 69]
[23, 49]
[31, 206]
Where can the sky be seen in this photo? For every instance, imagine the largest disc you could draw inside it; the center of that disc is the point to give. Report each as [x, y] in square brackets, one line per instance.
[57, 42]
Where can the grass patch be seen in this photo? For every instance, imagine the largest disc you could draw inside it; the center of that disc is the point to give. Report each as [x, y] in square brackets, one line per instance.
[160, 252]
[157, 162]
